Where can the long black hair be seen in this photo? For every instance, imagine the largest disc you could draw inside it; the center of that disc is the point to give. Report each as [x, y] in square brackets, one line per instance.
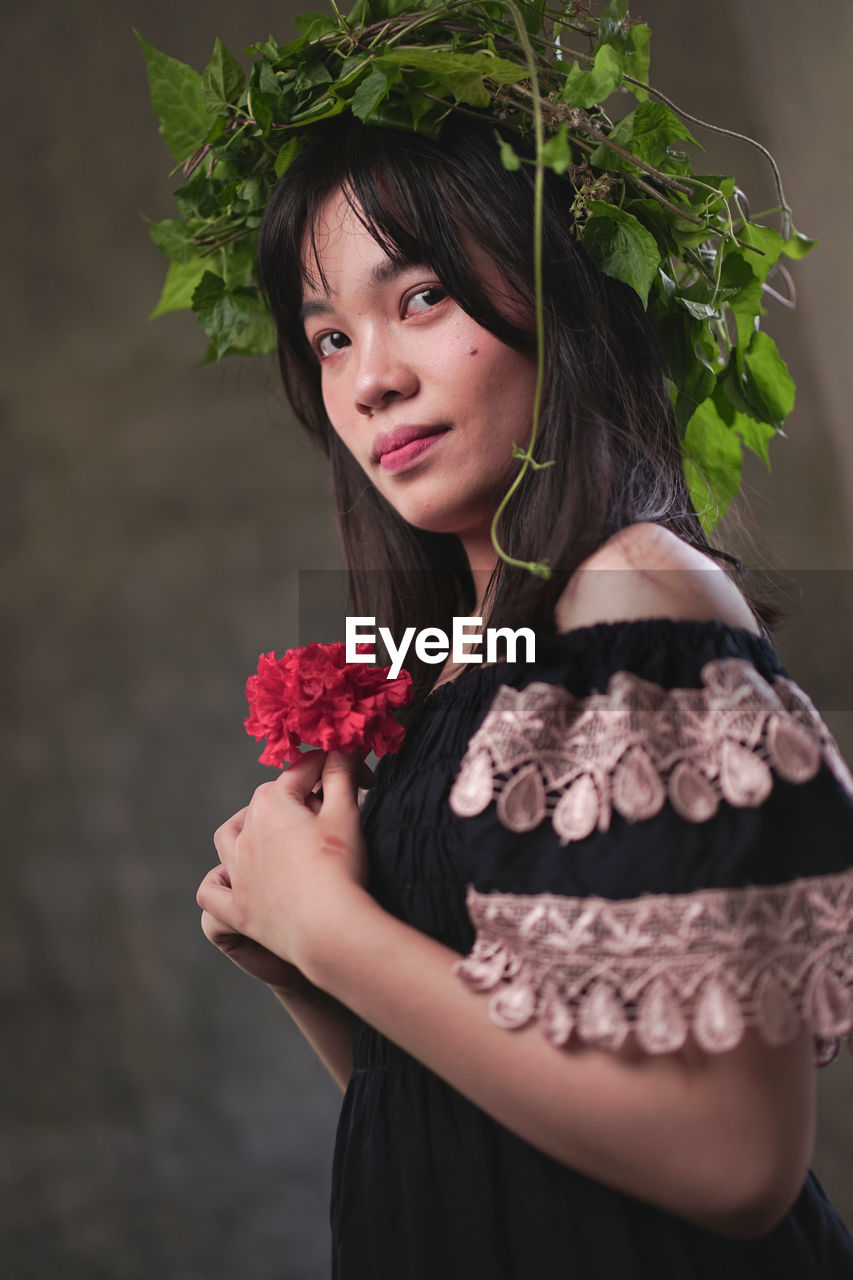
[606, 421]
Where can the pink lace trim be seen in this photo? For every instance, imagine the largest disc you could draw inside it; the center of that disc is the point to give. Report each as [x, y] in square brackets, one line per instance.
[708, 963]
[540, 751]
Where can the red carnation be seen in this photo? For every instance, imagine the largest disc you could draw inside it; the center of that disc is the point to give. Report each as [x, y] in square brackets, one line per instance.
[313, 696]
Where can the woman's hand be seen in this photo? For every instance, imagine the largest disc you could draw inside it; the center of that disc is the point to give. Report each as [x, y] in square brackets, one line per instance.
[290, 862]
[255, 960]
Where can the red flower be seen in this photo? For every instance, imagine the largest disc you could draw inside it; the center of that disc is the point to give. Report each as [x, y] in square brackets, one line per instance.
[313, 696]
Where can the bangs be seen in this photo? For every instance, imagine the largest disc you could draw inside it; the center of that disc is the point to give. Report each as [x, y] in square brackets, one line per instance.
[420, 201]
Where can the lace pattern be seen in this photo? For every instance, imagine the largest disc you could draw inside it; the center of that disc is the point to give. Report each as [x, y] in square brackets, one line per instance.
[540, 751]
[708, 964]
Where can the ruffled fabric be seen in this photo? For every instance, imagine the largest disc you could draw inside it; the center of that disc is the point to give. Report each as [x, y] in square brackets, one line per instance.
[707, 963]
[541, 751]
[664, 966]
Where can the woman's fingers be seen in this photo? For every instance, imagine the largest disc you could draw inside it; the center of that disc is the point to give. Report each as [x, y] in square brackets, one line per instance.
[340, 782]
[215, 892]
[302, 777]
[224, 836]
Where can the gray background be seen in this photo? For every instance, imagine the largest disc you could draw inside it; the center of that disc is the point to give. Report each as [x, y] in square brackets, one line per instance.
[160, 1118]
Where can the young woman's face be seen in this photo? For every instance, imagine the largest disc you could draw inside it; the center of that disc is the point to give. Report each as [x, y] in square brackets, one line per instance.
[428, 402]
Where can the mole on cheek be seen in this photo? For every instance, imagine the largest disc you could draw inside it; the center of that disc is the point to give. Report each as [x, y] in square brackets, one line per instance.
[473, 351]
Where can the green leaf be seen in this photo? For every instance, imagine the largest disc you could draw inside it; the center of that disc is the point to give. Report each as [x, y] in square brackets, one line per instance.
[615, 11]
[224, 314]
[586, 88]
[263, 107]
[238, 261]
[532, 11]
[259, 338]
[460, 75]
[745, 302]
[181, 281]
[798, 245]
[176, 98]
[312, 74]
[556, 153]
[647, 133]
[288, 153]
[713, 458]
[174, 238]
[621, 247]
[509, 159]
[222, 78]
[768, 242]
[637, 58]
[315, 25]
[768, 384]
[700, 310]
[373, 89]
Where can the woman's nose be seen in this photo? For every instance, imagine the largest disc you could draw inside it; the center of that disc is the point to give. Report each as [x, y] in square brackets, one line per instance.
[383, 375]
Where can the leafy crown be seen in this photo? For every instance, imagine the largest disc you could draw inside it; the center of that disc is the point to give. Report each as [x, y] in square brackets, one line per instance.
[684, 242]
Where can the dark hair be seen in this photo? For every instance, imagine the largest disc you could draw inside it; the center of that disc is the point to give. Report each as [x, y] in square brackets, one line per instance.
[606, 419]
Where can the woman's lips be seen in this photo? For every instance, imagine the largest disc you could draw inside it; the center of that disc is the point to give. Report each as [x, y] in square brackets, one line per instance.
[401, 448]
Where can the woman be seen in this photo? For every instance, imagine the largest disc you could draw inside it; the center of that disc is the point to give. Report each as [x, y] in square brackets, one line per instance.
[611, 1083]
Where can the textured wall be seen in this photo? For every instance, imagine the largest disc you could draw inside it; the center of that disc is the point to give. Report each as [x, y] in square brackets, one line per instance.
[161, 1119]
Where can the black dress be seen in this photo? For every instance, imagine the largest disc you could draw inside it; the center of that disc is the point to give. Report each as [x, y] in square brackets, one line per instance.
[646, 832]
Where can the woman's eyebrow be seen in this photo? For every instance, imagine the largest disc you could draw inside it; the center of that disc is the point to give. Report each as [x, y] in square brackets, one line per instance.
[383, 273]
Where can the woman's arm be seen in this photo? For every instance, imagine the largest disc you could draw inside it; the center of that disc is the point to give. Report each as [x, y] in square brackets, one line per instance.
[721, 1140]
[325, 1023]
[327, 1026]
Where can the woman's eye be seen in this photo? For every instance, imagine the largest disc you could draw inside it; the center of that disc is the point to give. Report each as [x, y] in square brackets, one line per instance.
[423, 299]
[328, 343]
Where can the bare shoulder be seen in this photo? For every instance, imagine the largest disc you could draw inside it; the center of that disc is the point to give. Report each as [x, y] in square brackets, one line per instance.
[645, 571]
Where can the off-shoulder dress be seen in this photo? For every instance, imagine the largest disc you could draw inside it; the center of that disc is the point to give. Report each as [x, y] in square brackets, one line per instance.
[646, 832]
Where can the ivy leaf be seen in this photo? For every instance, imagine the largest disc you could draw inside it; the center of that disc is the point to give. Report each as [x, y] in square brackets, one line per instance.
[460, 75]
[287, 154]
[621, 247]
[614, 11]
[314, 25]
[373, 89]
[769, 244]
[265, 79]
[509, 159]
[556, 153]
[637, 58]
[173, 238]
[797, 246]
[222, 78]
[647, 132]
[177, 101]
[263, 107]
[224, 314]
[181, 281]
[586, 88]
[767, 382]
[632, 42]
[259, 338]
[532, 11]
[715, 481]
